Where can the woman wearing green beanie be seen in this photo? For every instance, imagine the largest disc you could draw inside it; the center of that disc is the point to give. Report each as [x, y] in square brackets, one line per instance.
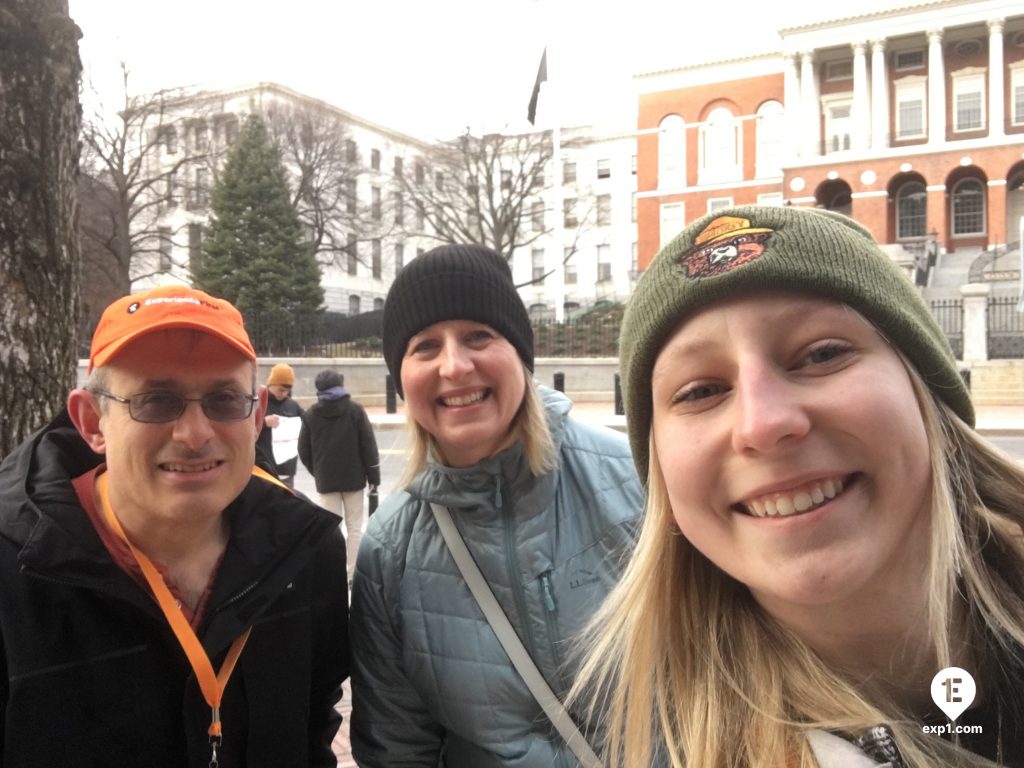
[825, 531]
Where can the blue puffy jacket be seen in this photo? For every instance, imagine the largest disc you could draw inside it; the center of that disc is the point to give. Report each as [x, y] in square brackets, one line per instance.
[431, 684]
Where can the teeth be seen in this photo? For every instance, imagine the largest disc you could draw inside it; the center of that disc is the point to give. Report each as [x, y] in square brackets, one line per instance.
[803, 500]
[183, 468]
[464, 399]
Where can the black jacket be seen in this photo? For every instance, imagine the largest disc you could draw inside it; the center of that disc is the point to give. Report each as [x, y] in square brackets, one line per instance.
[92, 674]
[265, 440]
[336, 444]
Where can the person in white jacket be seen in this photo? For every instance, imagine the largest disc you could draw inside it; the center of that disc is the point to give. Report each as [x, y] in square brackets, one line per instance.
[826, 536]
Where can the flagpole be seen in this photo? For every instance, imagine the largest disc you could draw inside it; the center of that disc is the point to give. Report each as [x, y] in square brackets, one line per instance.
[557, 231]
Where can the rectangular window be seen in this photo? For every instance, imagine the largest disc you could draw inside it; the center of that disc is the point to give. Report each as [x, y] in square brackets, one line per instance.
[419, 172]
[604, 210]
[717, 203]
[421, 217]
[399, 209]
[195, 243]
[569, 212]
[838, 126]
[537, 261]
[353, 255]
[375, 159]
[1017, 86]
[910, 110]
[375, 210]
[604, 263]
[569, 270]
[398, 166]
[906, 60]
[376, 255]
[350, 196]
[506, 181]
[604, 169]
[354, 304]
[164, 233]
[201, 136]
[672, 220]
[770, 198]
[231, 131]
[169, 137]
[439, 181]
[169, 199]
[568, 172]
[351, 152]
[839, 70]
[537, 216]
[399, 257]
[969, 103]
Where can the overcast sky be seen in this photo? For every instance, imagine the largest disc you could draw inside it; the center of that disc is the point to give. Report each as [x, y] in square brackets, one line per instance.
[434, 67]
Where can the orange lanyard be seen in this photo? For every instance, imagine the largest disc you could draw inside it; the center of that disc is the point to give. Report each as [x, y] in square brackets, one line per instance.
[212, 685]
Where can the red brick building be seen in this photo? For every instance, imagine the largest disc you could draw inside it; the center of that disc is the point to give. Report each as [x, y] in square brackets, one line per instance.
[909, 120]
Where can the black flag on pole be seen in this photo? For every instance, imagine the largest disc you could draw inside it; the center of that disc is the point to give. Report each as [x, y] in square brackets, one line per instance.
[542, 75]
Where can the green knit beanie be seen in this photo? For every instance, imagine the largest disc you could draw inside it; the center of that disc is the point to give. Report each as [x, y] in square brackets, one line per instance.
[758, 248]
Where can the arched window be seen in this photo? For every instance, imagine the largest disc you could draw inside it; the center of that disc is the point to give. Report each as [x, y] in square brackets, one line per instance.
[968, 208]
[672, 153]
[353, 304]
[719, 157]
[770, 133]
[911, 210]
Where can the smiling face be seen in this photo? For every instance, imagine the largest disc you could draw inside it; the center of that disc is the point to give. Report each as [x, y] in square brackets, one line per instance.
[463, 383]
[794, 454]
[188, 470]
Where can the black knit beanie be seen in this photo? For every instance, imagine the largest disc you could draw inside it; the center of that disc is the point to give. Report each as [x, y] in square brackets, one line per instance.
[741, 250]
[454, 282]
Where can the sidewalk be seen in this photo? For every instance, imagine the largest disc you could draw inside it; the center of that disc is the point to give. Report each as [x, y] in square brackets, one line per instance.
[1003, 420]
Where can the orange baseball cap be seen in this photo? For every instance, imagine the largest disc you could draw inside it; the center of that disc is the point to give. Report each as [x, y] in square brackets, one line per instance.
[170, 306]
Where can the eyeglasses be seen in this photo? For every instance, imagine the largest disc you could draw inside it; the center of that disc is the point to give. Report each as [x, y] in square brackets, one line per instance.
[162, 407]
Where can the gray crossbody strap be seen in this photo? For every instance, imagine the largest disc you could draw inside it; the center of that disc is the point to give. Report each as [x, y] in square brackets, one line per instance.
[510, 641]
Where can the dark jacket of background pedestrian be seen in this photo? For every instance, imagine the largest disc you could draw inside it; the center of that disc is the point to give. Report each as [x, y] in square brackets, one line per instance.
[336, 443]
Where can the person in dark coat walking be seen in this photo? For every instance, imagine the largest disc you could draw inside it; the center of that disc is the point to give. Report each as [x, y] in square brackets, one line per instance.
[337, 446]
[280, 407]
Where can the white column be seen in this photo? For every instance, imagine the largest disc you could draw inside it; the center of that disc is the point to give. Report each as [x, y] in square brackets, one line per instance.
[936, 89]
[975, 322]
[810, 112]
[861, 112]
[879, 96]
[792, 105]
[996, 109]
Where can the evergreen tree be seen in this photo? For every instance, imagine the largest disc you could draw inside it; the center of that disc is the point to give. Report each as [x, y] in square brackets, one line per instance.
[253, 254]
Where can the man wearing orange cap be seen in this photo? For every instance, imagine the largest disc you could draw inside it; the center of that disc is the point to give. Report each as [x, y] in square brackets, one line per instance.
[162, 604]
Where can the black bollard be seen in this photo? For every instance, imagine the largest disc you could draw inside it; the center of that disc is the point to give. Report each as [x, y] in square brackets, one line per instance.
[559, 381]
[390, 396]
[619, 409]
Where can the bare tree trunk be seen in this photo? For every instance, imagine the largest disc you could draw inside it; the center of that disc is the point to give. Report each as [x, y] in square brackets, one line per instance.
[40, 117]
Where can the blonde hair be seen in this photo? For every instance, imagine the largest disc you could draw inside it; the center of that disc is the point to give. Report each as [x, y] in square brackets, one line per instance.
[682, 664]
[530, 426]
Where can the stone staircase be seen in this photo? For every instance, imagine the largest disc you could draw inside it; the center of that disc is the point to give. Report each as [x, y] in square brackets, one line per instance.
[998, 382]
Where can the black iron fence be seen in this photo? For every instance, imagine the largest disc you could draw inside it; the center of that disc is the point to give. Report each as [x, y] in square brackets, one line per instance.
[595, 334]
[1005, 328]
[949, 314]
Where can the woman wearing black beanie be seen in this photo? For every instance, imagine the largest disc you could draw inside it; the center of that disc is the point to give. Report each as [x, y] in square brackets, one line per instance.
[546, 506]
